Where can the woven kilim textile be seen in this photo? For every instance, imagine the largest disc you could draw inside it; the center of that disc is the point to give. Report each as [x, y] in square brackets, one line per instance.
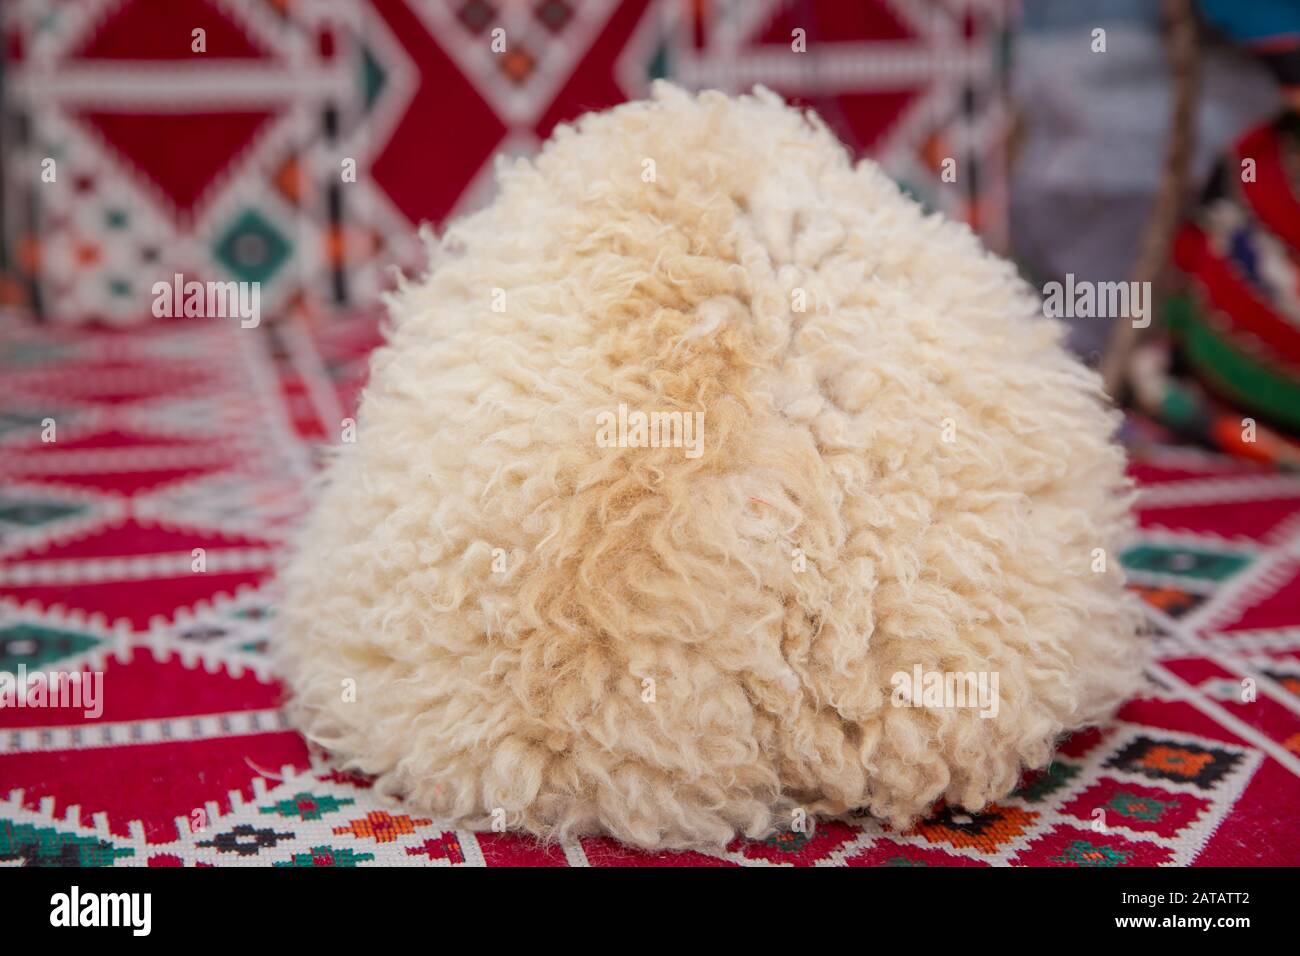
[305, 142]
[139, 544]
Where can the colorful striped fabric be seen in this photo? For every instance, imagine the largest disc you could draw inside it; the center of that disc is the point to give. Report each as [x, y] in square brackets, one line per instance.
[1236, 321]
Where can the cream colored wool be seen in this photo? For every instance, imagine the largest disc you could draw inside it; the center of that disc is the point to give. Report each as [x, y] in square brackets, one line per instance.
[653, 662]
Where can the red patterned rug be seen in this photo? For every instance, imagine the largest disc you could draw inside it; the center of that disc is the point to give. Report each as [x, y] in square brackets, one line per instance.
[148, 481]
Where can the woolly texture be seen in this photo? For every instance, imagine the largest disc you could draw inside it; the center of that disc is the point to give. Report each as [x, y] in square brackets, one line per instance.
[674, 649]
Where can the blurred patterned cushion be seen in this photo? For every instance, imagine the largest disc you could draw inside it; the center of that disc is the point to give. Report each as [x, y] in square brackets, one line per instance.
[234, 162]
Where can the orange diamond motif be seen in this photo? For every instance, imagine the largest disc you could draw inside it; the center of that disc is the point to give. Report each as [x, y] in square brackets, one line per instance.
[381, 826]
[986, 831]
[1176, 760]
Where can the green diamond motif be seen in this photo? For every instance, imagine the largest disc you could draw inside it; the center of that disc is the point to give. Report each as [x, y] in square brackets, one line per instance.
[252, 249]
[327, 856]
[1052, 779]
[373, 78]
[30, 512]
[45, 846]
[254, 613]
[787, 841]
[1083, 853]
[116, 218]
[307, 806]
[34, 646]
[1185, 562]
[1138, 807]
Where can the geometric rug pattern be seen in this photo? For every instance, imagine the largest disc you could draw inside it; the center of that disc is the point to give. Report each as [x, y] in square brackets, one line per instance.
[195, 442]
[306, 141]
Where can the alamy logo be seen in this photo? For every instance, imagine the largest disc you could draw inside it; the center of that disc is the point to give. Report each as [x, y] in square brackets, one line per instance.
[103, 909]
[651, 430]
[217, 300]
[1098, 300]
[79, 689]
[945, 690]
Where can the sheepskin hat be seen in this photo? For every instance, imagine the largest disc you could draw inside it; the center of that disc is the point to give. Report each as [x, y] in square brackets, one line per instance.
[706, 484]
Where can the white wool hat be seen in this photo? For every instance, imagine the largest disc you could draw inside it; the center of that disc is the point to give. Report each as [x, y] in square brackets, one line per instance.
[706, 483]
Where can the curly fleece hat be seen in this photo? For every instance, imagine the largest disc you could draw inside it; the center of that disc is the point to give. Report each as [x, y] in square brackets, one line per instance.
[529, 595]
